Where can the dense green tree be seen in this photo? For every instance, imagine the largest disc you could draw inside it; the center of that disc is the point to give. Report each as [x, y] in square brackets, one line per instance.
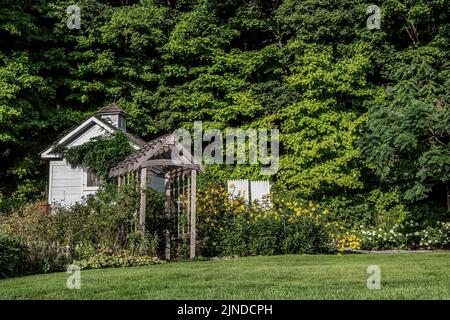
[408, 137]
[363, 114]
[322, 128]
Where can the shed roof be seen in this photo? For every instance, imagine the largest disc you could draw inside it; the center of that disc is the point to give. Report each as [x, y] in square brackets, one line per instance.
[76, 132]
[134, 139]
[156, 155]
[111, 108]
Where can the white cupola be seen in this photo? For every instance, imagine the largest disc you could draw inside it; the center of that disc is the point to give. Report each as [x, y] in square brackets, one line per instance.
[114, 115]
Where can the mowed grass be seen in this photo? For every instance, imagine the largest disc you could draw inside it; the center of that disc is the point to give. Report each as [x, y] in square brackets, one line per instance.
[403, 276]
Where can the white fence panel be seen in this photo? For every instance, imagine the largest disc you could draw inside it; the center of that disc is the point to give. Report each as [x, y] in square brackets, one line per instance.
[260, 191]
[254, 191]
[238, 188]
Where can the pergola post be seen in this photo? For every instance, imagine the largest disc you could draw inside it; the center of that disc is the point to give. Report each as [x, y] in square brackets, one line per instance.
[143, 203]
[167, 210]
[155, 159]
[193, 215]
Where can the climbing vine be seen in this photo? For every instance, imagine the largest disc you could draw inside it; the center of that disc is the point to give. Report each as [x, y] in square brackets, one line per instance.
[99, 154]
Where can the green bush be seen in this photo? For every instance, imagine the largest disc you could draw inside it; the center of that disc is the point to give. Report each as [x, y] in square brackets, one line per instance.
[262, 237]
[435, 237]
[408, 235]
[108, 258]
[55, 238]
[232, 227]
[270, 236]
[306, 236]
[140, 244]
[44, 257]
[12, 254]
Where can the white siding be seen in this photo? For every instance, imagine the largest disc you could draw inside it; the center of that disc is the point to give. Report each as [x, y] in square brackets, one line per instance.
[92, 132]
[65, 185]
[87, 193]
[114, 118]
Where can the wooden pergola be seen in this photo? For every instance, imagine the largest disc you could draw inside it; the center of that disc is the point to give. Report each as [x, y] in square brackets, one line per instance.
[155, 159]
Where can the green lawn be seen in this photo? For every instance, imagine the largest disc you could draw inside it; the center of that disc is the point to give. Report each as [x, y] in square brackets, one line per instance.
[403, 276]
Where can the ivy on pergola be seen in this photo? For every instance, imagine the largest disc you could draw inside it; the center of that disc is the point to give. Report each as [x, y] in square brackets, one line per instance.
[180, 176]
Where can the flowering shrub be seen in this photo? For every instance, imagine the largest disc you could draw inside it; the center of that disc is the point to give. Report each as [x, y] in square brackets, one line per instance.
[409, 235]
[108, 258]
[348, 241]
[437, 237]
[229, 226]
[53, 239]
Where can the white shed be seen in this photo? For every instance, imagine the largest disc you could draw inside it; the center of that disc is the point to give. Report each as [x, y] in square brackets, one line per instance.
[66, 185]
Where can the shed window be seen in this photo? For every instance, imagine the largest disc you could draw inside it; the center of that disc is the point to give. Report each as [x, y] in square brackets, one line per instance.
[92, 180]
[121, 124]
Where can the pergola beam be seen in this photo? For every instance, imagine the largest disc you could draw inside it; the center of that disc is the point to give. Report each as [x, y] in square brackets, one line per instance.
[169, 162]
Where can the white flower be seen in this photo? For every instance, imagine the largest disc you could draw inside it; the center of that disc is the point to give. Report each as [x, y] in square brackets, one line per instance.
[416, 233]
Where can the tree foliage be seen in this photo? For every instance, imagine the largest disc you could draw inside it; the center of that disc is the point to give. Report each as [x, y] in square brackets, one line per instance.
[99, 154]
[359, 110]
